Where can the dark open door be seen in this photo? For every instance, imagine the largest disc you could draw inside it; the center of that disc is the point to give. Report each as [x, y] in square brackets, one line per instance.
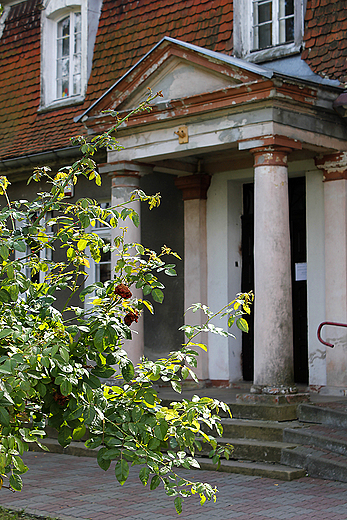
[297, 218]
[247, 277]
[297, 221]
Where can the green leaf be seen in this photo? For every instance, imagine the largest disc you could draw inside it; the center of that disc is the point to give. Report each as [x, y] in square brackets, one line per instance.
[19, 465]
[64, 354]
[178, 505]
[103, 372]
[176, 386]
[103, 463]
[64, 436]
[135, 218]
[161, 429]
[4, 417]
[16, 482]
[154, 482]
[144, 475]
[4, 296]
[98, 339]
[122, 471]
[146, 290]
[20, 246]
[158, 295]
[242, 324]
[149, 397]
[231, 321]
[78, 432]
[66, 387]
[13, 289]
[5, 332]
[128, 372]
[84, 219]
[93, 443]
[111, 454]
[82, 244]
[4, 251]
[184, 372]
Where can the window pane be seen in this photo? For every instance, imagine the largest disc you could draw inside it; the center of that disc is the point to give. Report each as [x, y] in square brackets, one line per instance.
[77, 43]
[286, 21]
[289, 7]
[103, 268]
[64, 27]
[77, 22]
[77, 84]
[105, 272]
[289, 29]
[264, 12]
[265, 36]
[262, 24]
[62, 87]
[63, 67]
[69, 76]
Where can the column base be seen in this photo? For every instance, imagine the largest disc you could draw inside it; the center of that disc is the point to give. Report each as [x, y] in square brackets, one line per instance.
[273, 398]
[273, 390]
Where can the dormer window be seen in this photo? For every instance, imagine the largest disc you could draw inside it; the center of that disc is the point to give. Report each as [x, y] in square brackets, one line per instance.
[69, 56]
[68, 33]
[273, 23]
[267, 29]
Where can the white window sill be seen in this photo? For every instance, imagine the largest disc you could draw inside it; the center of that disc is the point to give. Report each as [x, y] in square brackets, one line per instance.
[61, 103]
[272, 53]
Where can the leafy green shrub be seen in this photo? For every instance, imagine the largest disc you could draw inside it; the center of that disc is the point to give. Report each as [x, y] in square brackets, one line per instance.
[51, 364]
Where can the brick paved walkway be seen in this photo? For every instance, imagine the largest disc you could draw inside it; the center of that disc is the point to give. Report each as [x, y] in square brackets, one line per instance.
[72, 488]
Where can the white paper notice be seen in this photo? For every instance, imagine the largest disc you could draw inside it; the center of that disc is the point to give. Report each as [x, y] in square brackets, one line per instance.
[300, 271]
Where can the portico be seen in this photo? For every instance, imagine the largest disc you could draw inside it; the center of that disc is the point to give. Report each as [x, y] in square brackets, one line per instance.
[244, 124]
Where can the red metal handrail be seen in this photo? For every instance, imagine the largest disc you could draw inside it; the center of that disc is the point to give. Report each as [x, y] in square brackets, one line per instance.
[334, 323]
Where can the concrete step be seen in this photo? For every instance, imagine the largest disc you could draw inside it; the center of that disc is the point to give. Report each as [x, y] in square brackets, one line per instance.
[264, 412]
[252, 449]
[318, 436]
[332, 414]
[317, 463]
[256, 429]
[258, 469]
[75, 448]
[256, 411]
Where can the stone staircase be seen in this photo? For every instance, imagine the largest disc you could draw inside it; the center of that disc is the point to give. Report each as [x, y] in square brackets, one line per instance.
[256, 433]
[321, 442]
[282, 441]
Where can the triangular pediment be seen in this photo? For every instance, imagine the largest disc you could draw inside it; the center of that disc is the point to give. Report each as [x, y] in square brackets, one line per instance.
[179, 78]
[181, 71]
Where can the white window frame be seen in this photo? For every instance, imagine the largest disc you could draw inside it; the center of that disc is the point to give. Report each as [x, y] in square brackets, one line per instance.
[243, 33]
[54, 12]
[72, 53]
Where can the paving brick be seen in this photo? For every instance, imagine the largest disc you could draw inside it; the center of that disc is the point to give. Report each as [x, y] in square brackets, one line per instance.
[76, 488]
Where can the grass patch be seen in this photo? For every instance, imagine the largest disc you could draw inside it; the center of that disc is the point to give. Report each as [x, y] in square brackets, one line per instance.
[6, 514]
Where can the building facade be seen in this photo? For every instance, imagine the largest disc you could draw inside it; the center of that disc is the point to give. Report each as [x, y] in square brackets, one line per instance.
[248, 146]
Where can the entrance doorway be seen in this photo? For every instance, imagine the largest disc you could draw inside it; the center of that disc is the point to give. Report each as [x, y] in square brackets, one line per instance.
[297, 222]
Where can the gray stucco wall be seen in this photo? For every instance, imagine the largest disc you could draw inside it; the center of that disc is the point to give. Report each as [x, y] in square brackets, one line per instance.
[164, 225]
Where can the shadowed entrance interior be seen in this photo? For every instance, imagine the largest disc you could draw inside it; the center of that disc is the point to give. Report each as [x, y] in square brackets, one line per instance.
[297, 218]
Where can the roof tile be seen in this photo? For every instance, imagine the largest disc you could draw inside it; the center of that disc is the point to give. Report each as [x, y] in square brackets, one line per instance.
[325, 38]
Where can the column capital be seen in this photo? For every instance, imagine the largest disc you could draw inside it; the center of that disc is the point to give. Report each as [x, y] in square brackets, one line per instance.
[125, 169]
[334, 166]
[270, 150]
[193, 186]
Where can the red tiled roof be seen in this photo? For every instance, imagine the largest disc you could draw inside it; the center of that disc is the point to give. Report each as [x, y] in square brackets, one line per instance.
[127, 31]
[326, 38]
[22, 129]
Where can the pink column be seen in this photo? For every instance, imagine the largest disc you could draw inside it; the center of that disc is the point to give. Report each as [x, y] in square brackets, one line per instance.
[125, 179]
[194, 191]
[273, 334]
[334, 167]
